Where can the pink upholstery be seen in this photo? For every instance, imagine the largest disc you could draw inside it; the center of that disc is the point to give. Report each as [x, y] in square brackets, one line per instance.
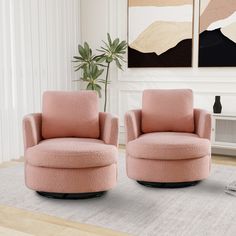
[168, 156]
[70, 114]
[32, 130]
[202, 123]
[169, 146]
[71, 153]
[159, 106]
[168, 171]
[71, 180]
[68, 163]
[133, 124]
[109, 126]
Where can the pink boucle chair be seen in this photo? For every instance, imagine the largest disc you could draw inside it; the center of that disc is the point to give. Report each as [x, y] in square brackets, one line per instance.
[71, 147]
[168, 142]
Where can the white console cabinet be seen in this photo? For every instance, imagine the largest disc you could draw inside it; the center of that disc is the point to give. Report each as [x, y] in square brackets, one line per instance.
[224, 133]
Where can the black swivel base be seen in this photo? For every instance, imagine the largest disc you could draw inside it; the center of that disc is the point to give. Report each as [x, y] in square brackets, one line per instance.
[168, 185]
[71, 196]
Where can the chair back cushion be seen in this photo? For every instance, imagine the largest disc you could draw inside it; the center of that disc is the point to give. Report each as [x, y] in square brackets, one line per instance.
[70, 114]
[167, 110]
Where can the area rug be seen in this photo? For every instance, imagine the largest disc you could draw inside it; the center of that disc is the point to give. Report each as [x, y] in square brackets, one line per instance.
[200, 210]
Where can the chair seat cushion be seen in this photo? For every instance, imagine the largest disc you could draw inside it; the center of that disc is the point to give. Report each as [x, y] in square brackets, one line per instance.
[71, 153]
[168, 146]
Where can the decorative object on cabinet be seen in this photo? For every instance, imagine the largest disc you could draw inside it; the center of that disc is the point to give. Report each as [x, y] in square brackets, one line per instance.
[217, 108]
[217, 39]
[160, 33]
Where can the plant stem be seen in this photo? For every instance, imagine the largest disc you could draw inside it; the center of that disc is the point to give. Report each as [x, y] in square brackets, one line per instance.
[106, 83]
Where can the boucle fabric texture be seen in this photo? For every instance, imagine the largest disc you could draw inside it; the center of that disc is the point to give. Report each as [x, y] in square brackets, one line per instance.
[109, 128]
[202, 121]
[70, 114]
[133, 124]
[169, 146]
[133, 120]
[168, 171]
[167, 156]
[70, 180]
[71, 164]
[32, 129]
[167, 110]
[71, 153]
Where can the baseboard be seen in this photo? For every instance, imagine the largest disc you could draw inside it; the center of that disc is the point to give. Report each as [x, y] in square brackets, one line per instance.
[223, 151]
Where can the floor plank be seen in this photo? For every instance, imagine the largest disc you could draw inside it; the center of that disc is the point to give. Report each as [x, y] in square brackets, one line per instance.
[224, 160]
[37, 224]
[10, 232]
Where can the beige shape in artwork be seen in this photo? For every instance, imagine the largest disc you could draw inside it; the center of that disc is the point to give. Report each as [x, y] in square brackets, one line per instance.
[230, 32]
[159, 3]
[161, 36]
[215, 11]
[204, 4]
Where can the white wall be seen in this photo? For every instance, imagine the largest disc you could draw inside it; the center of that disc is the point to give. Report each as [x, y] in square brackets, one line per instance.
[104, 16]
[38, 39]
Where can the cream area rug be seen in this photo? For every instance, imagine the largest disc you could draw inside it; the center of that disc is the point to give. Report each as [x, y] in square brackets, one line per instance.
[201, 210]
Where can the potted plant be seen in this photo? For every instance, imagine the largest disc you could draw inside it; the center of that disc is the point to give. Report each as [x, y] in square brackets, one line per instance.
[93, 66]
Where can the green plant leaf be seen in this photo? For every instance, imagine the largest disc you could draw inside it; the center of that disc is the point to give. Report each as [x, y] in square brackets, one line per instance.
[105, 50]
[109, 39]
[120, 57]
[98, 88]
[78, 68]
[79, 58]
[111, 50]
[87, 50]
[109, 59]
[121, 47]
[89, 86]
[116, 43]
[118, 64]
[82, 52]
[101, 59]
[103, 81]
[99, 72]
[108, 46]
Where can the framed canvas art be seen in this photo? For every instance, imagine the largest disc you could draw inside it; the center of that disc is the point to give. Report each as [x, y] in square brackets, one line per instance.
[160, 33]
[217, 29]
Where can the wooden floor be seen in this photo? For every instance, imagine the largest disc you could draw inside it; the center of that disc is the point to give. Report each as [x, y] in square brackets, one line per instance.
[18, 222]
[224, 160]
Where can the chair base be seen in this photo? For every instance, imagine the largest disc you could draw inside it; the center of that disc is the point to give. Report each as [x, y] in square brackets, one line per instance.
[168, 185]
[71, 196]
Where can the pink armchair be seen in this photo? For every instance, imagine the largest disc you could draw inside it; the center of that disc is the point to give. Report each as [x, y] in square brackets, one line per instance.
[70, 148]
[168, 142]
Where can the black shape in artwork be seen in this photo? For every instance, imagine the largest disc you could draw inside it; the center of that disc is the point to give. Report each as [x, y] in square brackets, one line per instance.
[179, 56]
[216, 50]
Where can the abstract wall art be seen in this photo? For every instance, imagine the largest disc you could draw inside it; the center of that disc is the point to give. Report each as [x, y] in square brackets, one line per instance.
[217, 40]
[160, 33]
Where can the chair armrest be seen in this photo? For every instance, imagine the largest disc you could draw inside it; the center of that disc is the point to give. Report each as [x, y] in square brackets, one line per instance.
[32, 126]
[202, 122]
[109, 128]
[133, 124]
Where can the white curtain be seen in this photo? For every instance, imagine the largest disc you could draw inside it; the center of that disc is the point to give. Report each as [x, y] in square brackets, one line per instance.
[38, 39]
